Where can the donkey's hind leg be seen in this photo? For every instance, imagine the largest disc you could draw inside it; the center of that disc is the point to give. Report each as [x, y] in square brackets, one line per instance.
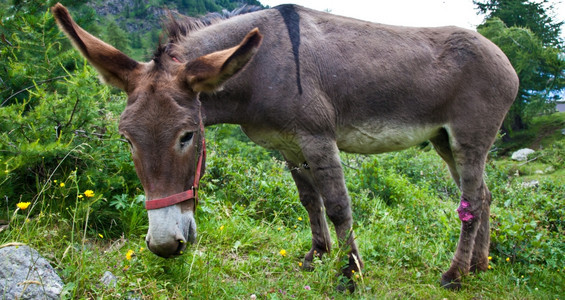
[312, 201]
[443, 148]
[479, 260]
[473, 209]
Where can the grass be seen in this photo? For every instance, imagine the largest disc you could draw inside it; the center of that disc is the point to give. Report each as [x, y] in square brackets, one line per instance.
[243, 258]
[406, 231]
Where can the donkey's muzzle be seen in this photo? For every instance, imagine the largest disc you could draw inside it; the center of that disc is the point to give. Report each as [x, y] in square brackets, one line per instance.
[172, 248]
[170, 230]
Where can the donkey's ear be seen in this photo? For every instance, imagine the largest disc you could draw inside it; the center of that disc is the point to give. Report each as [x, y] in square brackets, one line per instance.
[207, 73]
[115, 67]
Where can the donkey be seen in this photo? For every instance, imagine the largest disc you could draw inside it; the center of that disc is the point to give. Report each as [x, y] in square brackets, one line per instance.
[308, 84]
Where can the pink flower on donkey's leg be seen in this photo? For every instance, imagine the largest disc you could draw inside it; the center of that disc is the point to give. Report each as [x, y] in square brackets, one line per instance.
[464, 214]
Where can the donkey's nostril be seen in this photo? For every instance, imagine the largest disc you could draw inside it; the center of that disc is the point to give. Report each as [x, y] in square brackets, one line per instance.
[181, 246]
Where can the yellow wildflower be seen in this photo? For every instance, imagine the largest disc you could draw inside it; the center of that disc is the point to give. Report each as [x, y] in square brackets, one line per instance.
[283, 252]
[100, 235]
[221, 227]
[508, 259]
[89, 193]
[62, 184]
[299, 218]
[55, 181]
[489, 267]
[300, 264]
[490, 258]
[129, 254]
[79, 196]
[23, 205]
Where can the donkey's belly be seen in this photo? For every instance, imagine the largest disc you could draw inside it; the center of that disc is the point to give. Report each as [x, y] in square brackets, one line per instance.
[365, 139]
[271, 139]
[378, 138]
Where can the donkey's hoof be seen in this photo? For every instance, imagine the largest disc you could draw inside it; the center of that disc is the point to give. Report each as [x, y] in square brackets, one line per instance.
[480, 266]
[450, 284]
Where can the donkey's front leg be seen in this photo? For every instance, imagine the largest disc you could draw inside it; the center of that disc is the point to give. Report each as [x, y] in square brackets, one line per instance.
[310, 198]
[322, 157]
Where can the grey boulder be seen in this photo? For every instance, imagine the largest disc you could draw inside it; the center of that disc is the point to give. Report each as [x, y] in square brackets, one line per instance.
[25, 274]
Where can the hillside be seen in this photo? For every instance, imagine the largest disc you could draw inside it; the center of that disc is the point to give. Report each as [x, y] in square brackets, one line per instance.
[139, 22]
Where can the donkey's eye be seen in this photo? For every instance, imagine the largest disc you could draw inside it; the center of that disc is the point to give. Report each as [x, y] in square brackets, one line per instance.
[185, 139]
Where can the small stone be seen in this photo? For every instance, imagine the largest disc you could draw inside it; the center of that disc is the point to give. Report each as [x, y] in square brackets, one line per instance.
[109, 279]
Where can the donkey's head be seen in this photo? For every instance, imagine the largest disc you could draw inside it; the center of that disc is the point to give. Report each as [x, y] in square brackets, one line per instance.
[163, 124]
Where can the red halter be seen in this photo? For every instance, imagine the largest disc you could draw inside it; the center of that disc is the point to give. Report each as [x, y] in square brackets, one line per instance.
[186, 195]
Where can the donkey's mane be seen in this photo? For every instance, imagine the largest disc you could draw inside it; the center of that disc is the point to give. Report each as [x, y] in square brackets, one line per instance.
[178, 26]
[181, 26]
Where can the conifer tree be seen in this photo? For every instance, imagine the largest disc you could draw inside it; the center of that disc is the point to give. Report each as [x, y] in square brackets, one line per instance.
[530, 37]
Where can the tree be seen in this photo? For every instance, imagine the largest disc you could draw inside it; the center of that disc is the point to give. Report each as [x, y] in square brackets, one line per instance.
[525, 14]
[116, 36]
[539, 68]
[530, 38]
[32, 49]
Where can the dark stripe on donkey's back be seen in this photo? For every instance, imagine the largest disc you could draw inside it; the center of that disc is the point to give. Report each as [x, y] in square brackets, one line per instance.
[292, 22]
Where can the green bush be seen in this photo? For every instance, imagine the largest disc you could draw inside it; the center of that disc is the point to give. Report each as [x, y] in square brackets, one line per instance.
[528, 222]
[53, 135]
[241, 175]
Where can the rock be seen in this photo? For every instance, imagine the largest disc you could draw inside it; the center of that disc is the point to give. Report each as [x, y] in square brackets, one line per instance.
[109, 279]
[530, 184]
[522, 154]
[24, 274]
[133, 296]
[148, 19]
[549, 169]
